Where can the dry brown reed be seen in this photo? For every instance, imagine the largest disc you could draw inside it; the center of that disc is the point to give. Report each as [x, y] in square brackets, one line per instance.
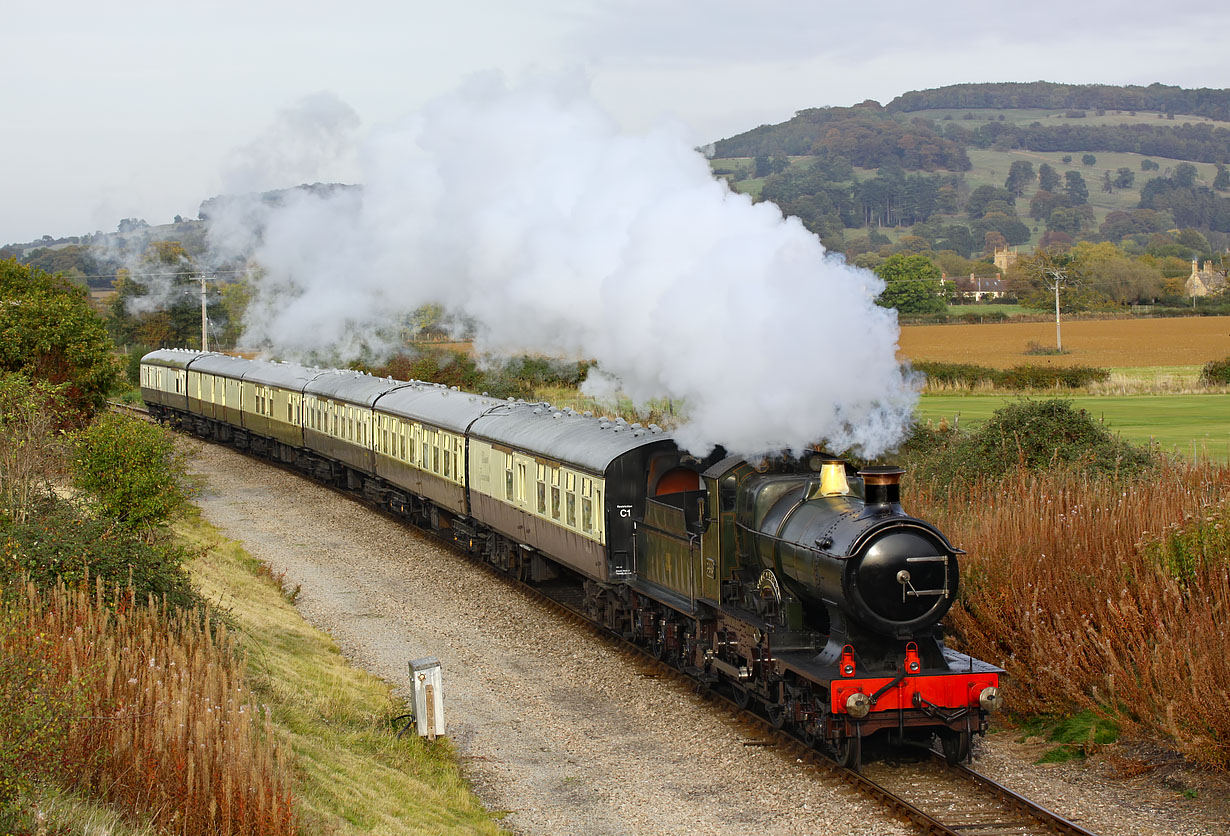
[164, 724]
[1066, 586]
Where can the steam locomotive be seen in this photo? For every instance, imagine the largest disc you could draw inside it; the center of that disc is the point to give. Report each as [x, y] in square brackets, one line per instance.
[795, 584]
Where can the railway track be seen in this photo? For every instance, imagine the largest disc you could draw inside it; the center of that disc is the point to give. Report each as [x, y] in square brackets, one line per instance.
[130, 409]
[933, 796]
[928, 793]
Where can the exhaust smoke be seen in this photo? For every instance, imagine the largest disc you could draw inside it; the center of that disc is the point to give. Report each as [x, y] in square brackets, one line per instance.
[526, 212]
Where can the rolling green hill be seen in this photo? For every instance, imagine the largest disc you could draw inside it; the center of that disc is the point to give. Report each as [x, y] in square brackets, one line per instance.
[874, 174]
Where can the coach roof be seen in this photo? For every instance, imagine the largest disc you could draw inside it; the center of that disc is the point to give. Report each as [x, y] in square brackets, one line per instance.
[438, 405]
[566, 436]
[176, 358]
[348, 385]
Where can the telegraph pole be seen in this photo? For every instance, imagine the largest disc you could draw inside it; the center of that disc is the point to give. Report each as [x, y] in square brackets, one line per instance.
[204, 316]
[1055, 275]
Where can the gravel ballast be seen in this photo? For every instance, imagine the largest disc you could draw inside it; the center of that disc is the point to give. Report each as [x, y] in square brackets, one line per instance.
[556, 728]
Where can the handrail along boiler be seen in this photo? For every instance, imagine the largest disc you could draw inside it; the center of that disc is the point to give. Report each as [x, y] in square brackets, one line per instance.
[796, 583]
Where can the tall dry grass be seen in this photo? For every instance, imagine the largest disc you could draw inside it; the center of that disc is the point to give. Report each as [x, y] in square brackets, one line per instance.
[1093, 592]
[154, 714]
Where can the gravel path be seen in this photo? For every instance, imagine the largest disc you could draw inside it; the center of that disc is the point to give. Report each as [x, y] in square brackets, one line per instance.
[555, 727]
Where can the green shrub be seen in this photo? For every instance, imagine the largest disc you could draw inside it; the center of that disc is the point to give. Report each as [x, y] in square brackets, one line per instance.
[1035, 435]
[1216, 373]
[132, 469]
[61, 542]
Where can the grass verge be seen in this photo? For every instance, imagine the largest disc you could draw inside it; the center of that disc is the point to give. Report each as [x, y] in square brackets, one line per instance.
[351, 773]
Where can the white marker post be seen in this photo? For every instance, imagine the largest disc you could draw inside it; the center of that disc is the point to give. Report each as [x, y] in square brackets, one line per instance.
[428, 697]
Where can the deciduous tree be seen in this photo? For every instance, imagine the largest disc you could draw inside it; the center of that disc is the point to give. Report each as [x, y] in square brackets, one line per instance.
[1020, 175]
[1048, 178]
[49, 332]
[912, 285]
[1074, 187]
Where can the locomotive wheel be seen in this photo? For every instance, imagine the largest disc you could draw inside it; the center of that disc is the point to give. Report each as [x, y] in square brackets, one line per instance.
[743, 697]
[849, 752]
[777, 715]
[956, 745]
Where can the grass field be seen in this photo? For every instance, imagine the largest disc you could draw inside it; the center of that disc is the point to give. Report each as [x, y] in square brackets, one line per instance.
[983, 310]
[1187, 424]
[1101, 342]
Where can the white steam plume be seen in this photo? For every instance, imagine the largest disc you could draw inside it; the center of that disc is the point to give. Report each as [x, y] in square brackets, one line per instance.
[309, 140]
[527, 211]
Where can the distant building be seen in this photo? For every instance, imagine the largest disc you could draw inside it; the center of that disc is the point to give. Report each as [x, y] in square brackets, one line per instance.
[1005, 258]
[976, 288]
[1204, 281]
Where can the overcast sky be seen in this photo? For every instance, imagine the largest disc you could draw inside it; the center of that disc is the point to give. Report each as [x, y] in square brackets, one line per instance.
[143, 109]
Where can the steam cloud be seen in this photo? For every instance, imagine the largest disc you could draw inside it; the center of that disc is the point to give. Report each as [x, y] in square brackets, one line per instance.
[314, 135]
[528, 212]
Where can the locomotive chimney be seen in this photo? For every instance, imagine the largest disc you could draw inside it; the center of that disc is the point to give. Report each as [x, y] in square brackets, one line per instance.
[881, 489]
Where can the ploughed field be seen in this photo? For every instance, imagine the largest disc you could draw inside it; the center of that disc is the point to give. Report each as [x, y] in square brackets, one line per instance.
[1109, 343]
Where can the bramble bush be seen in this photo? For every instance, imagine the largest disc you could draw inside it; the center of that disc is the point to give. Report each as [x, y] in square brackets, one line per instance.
[1216, 373]
[61, 542]
[1032, 435]
[132, 470]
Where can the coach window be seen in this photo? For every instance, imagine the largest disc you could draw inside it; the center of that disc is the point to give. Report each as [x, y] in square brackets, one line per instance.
[555, 493]
[521, 474]
[509, 493]
[587, 506]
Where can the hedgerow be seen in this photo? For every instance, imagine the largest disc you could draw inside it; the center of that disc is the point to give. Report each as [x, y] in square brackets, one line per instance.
[1015, 378]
